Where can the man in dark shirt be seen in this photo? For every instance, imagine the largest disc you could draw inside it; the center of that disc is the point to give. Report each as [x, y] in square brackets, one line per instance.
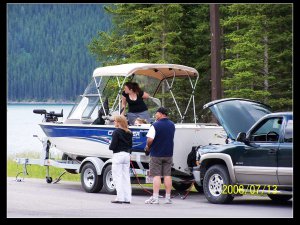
[160, 144]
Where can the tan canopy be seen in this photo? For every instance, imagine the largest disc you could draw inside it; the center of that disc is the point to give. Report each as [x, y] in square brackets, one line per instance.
[158, 71]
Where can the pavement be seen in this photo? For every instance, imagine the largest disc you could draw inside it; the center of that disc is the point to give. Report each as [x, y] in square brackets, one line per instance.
[34, 198]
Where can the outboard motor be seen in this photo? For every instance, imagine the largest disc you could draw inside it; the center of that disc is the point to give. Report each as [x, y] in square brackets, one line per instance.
[49, 116]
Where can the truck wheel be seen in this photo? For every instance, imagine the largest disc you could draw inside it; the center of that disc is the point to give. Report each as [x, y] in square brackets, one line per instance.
[198, 188]
[214, 179]
[109, 185]
[280, 198]
[179, 186]
[65, 157]
[90, 181]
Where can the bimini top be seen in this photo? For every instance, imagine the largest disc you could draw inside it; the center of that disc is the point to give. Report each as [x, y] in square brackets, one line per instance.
[158, 71]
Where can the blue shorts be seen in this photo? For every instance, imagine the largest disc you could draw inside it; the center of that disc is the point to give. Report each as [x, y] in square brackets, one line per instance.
[132, 116]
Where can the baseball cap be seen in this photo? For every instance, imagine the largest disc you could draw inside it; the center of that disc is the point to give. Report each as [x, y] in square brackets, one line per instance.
[162, 110]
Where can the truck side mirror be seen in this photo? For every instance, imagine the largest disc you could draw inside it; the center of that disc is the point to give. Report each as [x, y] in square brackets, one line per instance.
[241, 137]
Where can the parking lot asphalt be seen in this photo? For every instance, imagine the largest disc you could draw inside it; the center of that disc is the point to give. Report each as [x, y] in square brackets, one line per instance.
[34, 198]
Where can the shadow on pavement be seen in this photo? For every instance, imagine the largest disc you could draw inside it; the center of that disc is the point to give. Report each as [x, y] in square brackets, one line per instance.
[262, 202]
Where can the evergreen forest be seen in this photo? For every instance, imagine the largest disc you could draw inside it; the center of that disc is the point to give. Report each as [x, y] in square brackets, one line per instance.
[53, 48]
[48, 59]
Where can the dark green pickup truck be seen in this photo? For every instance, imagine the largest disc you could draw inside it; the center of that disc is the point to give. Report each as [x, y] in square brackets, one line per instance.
[258, 158]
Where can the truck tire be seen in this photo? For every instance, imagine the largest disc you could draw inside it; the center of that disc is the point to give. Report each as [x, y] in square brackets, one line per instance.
[214, 179]
[280, 198]
[65, 157]
[90, 181]
[109, 185]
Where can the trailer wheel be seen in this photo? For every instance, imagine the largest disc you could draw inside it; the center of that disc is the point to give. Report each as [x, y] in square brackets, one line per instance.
[214, 179]
[109, 185]
[180, 186]
[198, 187]
[90, 181]
[65, 157]
[49, 180]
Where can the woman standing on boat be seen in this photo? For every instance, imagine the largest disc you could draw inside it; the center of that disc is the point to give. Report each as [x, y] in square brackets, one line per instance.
[134, 96]
[121, 145]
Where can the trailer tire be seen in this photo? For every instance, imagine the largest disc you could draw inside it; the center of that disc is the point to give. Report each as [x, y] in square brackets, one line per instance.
[214, 179]
[180, 186]
[109, 185]
[198, 188]
[90, 181]
[65, 157]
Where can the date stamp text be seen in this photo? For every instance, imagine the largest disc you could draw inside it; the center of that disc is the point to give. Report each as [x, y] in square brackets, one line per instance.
[254, 189]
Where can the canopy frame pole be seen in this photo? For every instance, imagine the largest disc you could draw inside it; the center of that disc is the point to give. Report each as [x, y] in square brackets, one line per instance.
[192, 97]
[100, 96]
[118, 95]
[170, 89]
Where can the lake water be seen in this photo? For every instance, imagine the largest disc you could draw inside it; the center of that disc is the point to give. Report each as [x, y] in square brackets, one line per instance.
[22, 124]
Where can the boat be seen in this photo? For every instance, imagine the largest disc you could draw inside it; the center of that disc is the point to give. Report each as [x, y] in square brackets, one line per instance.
[87, 130]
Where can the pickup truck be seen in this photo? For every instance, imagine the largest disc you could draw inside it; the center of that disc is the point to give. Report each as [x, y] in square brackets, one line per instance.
[258, 156]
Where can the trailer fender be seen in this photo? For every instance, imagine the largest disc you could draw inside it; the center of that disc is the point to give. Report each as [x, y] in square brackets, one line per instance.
[98, 163]
[109, 161]
[221, 156]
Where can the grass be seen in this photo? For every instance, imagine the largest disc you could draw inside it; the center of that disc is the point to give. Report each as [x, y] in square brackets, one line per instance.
[37, 171]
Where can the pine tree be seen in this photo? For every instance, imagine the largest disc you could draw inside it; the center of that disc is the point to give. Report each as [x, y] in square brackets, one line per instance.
[251, 31]
[141, 33]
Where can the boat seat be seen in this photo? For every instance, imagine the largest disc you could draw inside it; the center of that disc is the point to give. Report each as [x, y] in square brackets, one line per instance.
[72, 121]
[86, 121]
[77, 121]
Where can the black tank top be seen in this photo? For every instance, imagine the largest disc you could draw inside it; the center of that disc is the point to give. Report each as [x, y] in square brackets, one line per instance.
[137, 105]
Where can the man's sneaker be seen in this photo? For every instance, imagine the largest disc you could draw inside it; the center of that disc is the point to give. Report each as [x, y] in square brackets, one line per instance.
[152, 200]
[168, 201]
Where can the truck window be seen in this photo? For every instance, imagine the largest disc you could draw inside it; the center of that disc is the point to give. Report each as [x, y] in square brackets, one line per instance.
[267, 131]
[288, 135]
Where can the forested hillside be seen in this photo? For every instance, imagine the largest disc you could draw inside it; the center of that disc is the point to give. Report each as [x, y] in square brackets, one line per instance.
[256, 46]
[53, 48]
[47, 50]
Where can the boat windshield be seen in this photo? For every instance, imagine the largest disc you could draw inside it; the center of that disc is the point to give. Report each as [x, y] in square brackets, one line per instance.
[108, 90]
[85, 104]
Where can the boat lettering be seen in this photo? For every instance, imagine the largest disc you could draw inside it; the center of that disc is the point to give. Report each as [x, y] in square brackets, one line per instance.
[136, 134]
[110, 132]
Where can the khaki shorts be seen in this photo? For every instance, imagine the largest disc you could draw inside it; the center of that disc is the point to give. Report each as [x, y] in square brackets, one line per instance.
[160, 166]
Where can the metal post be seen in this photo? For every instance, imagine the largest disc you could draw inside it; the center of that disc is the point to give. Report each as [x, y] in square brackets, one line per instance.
[215, 53]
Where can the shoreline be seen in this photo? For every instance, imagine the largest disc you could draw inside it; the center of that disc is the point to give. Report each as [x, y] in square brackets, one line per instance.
[40, 103]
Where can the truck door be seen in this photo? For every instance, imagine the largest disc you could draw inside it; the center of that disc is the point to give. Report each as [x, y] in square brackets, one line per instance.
[260, 157]
[285, 152]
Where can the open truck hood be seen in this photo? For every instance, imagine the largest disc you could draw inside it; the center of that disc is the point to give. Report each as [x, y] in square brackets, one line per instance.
[237, 114]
